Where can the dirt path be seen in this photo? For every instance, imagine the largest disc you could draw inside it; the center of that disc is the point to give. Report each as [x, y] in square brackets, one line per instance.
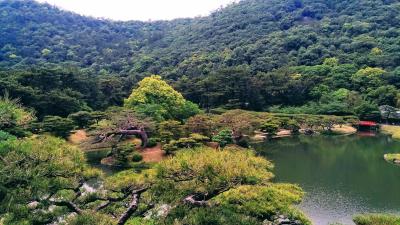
[78, 137]
[155, 154]
[150, 155]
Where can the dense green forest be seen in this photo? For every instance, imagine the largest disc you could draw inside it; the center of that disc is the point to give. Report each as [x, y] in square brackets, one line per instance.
[195, 94]
[208, 173]
[329, 57]
[46, 180]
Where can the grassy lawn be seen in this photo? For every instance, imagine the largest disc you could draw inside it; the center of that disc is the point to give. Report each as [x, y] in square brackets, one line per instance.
[376, 219]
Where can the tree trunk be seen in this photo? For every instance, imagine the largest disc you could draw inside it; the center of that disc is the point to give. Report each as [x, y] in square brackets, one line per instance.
[141, 133]
[133, 205]
[192, 201]
[70, 205]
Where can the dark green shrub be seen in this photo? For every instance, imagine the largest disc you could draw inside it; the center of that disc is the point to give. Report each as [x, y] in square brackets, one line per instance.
[82, 119]
[224, 137]
[5, 136]
[136, 157]
[293, 126]
[170, 147]
[57, 126]
[270, 128]
[186, 143]
[122, 154]
[182, 143]
[152, 142]
[218, 111]
[243, 142]
[18, 132]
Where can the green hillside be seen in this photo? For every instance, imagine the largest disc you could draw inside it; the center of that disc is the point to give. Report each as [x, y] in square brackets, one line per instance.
[175, 122]
[255, 54]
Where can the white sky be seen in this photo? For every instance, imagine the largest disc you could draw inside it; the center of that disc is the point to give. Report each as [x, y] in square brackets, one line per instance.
[140, 9]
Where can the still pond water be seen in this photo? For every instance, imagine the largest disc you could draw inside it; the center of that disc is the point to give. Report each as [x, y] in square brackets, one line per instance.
[342, 175]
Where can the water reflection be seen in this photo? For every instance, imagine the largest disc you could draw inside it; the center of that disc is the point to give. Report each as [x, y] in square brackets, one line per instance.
[94, 158]
[342, 175]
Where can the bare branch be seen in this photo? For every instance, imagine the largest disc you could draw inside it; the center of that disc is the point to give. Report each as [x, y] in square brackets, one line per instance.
[109, 200]
[192, 201]
[70, 205]
[103, 206]
[140, 132]
[133, 206]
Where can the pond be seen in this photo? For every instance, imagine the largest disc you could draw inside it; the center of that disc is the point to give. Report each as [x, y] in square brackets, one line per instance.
[342, 175]
[94, 159]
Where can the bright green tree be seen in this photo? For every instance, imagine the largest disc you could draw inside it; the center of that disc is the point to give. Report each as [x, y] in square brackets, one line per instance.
[331, 62]
[368, 77]
[155, 98]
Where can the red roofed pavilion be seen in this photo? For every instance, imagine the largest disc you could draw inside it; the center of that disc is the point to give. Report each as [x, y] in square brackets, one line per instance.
[367, 123]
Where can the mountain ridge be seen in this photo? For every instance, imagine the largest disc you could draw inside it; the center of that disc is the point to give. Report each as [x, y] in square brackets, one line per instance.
[245, 23]
[251, 41]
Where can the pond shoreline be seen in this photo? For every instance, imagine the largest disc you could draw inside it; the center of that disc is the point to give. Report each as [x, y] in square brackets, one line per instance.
[328, 168]
[337, 130]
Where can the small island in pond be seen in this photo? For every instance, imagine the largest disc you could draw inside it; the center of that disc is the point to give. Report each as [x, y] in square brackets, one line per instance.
[392, 158]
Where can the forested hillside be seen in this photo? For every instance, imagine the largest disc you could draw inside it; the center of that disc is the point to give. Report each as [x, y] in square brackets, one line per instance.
[173, 122]
[310, 56]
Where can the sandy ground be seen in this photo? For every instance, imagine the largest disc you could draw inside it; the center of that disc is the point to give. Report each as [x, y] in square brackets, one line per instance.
[259, 136]
[150, 155]
[283, 133]
[155, 154]
[344, 129]
[78, 137]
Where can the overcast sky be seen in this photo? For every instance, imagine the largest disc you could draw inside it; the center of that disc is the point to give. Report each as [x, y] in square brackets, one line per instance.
[140, 9]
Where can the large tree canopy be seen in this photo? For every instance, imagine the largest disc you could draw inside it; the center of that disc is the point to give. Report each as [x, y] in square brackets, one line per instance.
[155, 98]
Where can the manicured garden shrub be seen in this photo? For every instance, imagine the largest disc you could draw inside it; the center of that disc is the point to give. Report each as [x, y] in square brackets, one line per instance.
[152, 142]
[270, 128]
[136, 157]
[224, 137]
